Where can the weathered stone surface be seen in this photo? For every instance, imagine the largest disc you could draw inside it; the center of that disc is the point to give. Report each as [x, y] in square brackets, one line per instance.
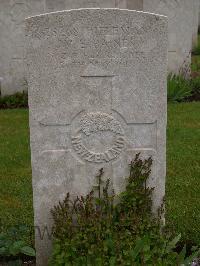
[52, 5]
[97, 96]
[12, 15]
[196, 6]
[181, 20]
[134, 4]
[199, 13]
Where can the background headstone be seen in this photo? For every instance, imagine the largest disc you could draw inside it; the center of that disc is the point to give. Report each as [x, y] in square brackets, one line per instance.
[196, 6]
[199, 13]
[52, 5]
[97, 97]
[12, 15]
[181, 28]
[129, 4]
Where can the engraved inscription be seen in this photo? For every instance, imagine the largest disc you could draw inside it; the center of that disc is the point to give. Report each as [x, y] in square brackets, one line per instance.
[98, 125]
[107, 45]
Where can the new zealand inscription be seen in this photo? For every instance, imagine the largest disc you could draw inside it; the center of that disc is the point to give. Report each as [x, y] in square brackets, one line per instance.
[107, 130]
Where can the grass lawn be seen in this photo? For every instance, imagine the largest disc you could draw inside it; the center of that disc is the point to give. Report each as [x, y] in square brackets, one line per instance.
[15, 169]
[183, 173]
[183, 170]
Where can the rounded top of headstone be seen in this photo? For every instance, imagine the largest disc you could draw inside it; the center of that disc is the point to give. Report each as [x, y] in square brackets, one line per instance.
[100, 11]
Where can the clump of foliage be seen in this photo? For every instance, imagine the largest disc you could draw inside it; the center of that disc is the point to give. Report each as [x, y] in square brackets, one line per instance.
[17, 100]
[185, 86]
[181, 89]
[105, 229]
[178, 88]
[195, 83]
[195, 67]
[13, 247]
[196, 49]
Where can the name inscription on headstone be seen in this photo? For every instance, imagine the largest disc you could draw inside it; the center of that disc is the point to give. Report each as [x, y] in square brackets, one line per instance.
[98, 49]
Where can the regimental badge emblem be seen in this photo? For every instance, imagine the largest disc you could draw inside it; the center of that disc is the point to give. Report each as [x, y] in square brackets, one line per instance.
[99, 139]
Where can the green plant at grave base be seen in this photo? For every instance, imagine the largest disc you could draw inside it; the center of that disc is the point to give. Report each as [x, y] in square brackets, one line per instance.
[196, 50]
[195, 67]
[178, 88]
[105, 229]
[17, 100]
[12, 245]
[195, 84]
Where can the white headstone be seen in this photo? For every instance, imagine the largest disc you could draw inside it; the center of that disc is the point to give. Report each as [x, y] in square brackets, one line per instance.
[97, 97]
[196, 6]
[199, 13]
[12, 16]
[52, 5]
[181, 20]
